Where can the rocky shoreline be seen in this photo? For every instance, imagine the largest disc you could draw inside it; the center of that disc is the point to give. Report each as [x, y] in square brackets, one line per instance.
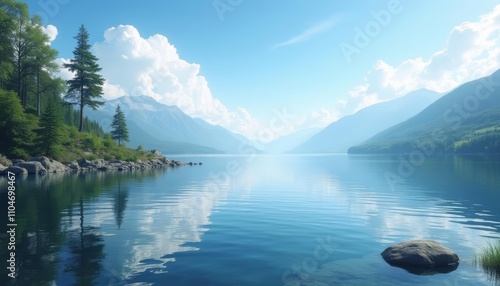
[43, 165]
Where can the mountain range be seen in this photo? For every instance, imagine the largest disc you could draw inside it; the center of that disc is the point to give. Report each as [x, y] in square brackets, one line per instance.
[154, 125]
[354, 129]
[465, 120]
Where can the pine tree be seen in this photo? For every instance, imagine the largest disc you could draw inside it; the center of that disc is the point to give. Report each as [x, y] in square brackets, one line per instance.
[120, 131]
[69, 115]
[85, 88]
[50, 133]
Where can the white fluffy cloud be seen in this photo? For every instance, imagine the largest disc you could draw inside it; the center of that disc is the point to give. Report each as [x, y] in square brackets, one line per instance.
[64, 73]
[51, 31]
[472, 51]
[133, 65]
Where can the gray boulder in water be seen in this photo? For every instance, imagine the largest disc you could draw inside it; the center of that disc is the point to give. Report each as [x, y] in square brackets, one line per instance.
[16, 170]
[422, 257]
[33, 167]
[52, 166]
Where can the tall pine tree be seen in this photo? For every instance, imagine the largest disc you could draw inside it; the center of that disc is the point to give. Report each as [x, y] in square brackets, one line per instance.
[85, 88]
[120, 130]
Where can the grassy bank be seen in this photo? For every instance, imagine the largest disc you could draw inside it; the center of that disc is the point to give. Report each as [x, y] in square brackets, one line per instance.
[89, 146]
[489, 260]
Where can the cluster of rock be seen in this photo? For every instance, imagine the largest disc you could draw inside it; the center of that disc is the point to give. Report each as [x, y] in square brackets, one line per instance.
[36, 165]
[44, 165]
[120, 165]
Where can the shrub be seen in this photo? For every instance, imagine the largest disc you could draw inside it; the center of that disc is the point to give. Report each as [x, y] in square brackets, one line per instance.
[92, 142]
[108, 143]
[91, 157]
[18, 153]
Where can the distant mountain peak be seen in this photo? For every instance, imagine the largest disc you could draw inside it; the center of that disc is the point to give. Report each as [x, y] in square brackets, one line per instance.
[151, 121]
[141, 103]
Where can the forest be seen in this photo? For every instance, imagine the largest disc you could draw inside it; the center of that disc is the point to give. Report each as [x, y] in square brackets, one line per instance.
[43, 114]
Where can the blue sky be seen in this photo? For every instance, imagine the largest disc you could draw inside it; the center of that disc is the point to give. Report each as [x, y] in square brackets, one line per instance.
[238, 63]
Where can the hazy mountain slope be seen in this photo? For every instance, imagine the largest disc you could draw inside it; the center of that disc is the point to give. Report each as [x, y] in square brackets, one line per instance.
[149, 142]
[291, 141]
[150, 121]
[354, 129]
[221, 137]
[462, 112]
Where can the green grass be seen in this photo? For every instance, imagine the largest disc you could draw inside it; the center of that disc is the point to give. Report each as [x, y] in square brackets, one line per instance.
[78, 145]
[489, 260]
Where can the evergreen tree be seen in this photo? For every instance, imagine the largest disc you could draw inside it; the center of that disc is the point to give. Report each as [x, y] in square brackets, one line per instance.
[22, 45]
[50, 133]
[120, 131]
[85, 88]
[8, 10]
[49, 89]
[28, 48]
[15, 126]
[69, 115]
[41, 61]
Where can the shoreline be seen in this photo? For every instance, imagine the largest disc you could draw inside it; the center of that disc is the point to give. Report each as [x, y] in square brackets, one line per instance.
[43, 165]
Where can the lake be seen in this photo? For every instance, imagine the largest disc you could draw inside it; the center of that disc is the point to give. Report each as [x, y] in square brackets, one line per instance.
[253, 220]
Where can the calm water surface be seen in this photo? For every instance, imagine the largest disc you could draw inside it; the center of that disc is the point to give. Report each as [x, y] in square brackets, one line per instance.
[263, 220]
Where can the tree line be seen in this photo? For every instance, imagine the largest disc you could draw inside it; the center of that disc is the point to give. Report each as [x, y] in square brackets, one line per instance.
[38, 108]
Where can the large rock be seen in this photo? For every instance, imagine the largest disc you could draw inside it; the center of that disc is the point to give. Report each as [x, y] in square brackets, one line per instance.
[74, 166]
[157, 153]
[421, 257]
[99, 163]
[17, 161]
[33, 167]
[52, 166]
[16, 170]
[84, 163]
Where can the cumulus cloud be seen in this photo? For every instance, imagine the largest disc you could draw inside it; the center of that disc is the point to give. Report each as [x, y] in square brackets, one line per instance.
[472, 50]
[64, 73]
[133, 65]
[50, 31]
